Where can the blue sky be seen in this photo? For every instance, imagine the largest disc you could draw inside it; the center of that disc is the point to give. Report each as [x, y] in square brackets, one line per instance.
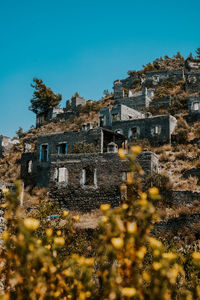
[84, 46]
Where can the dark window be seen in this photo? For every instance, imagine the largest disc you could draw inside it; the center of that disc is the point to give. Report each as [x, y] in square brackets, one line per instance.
[44, 153]
[115, 117]
[134, 132]
[89, 175]
[62, 148]
[101, 121]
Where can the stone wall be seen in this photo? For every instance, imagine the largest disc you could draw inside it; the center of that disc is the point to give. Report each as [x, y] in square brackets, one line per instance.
[161, 103]
[6, 144]
[193, 82]
[154, 78]
[76, 101]
[118, 112]
[109, 172]
[192, 65]
[156, 129]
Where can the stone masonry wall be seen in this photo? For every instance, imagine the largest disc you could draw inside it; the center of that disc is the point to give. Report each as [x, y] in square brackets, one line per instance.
[109, 171]
[145, 128]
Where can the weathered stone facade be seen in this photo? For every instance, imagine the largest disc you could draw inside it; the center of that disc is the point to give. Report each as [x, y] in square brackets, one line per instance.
[6, 144]
[192, 65]
[138, 101]
[117, 113]
[76, 101]
[83, 181]
[193, 82]
[154, 78]
[155, 129]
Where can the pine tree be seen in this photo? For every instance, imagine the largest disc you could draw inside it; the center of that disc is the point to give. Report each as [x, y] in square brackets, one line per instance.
[43, 97]
[198, 53]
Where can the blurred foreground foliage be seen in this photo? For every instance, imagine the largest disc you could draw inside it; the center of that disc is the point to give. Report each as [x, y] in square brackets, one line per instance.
[129, 263]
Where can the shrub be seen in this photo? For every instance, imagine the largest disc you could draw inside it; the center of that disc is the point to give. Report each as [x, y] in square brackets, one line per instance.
[82, 147]
[130, 263]
[161, 181]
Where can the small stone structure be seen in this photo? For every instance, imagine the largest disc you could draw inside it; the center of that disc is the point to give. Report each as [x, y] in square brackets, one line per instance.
[138, 101]
[193, 82]
[6, 144]
[161, 103]
[76, 101]
[118, 113]
[83, 181]
[154, 78]
[155, 129]
[194, 105]
[192, 64]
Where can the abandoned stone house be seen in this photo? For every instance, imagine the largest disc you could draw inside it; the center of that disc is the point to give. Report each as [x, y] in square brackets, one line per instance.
[81, 181]
[192, 64]
[193, 81]
[194, 110]
[60, 113]
[154, 78]
[138, 101]
[136, 126]
[6, 144]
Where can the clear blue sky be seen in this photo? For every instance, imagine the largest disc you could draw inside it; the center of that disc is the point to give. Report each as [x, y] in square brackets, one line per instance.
[84, 46]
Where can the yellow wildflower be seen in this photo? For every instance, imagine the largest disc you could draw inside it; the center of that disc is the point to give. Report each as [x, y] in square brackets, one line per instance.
[141, 252]
[143, 196]
[67, 272]
[153, 191]
[154, 243]
[124, 206]
[132, 227]
[117, 243]
[121, 153]
[104, 207]
[31, 247]
[48, 247]
[5, 191]
[128, 292]
[76, 218]
[31, 223]
[59, 241]
[129, 178]
[146, 276]
[58, 232]
[156, 265]
[49, 232]
[136, 149]
[169, 255]
[104, 219]
[65, 213]
[57, 294]
[196, 255]
[5, 235]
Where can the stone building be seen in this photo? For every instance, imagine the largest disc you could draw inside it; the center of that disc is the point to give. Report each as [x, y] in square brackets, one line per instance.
[194, 110]
[118, 113]
[138, 101]
[153, 79]
[192, 64]
[6, 144]
[77, 100]
[48, 116]
[60, 113]
[193, 82]
[155, 129]
[83, 181]
[61, 143]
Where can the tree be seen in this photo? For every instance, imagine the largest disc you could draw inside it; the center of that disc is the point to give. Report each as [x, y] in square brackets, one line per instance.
[198, 53]
[19, 132]
[106, 93]
[43, 97]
